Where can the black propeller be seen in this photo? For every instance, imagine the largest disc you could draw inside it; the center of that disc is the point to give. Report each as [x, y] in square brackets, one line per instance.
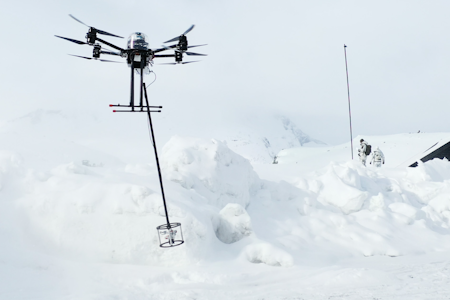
[183, 34]
[95, 29]
[164, 47]
[72, 40]
[103, 60]
[197, 46]
[180, 63]
[195, 54]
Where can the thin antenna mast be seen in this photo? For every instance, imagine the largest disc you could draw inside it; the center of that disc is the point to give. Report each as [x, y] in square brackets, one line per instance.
[348, 92]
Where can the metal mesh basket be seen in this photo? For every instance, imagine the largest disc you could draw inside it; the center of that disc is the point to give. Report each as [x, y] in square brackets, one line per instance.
[170, 235]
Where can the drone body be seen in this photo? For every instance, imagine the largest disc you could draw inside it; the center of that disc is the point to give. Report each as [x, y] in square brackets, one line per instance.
[138, 55]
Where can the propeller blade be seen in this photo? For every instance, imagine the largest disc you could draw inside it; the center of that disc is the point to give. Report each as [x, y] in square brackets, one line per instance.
[180, 63]
[72, 40]
[189, 29]
[164, 48]
[107, 33]
[173, 40]
[197, 54]
[178, 37]
[81, 56]
[103, 60]
[197, 46]
[98, 30]
[78, 20]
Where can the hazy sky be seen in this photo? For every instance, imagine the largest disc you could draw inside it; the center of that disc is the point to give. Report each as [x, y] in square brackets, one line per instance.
[284, 56]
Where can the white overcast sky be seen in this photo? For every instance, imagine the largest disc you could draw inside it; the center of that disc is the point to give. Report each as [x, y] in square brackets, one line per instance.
[281, 56]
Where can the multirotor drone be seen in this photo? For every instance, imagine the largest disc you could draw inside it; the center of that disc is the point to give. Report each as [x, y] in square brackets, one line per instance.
[139, 58]
[137, 53]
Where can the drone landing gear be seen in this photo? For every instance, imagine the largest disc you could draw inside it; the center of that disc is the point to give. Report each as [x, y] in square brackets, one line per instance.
[141, 107]
[139, 64]
[170, 234]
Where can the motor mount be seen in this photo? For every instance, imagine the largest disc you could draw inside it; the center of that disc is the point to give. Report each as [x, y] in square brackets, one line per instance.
[91, 36]
[96, 52]
[178, 56]
[183, 43]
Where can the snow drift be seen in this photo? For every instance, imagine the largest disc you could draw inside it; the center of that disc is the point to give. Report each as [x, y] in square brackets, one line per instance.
[66, 210]
[110, 214]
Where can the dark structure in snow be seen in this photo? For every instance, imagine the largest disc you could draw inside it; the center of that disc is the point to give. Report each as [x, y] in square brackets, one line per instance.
[441, 152]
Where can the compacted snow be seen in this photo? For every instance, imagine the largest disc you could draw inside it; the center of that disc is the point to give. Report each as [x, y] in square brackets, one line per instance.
[78, 222]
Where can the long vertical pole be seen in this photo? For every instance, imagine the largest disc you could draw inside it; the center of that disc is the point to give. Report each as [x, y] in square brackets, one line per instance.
[156, 154]
[348, 92]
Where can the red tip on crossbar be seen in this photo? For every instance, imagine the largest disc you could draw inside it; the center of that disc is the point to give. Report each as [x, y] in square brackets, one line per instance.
[111, 105]
[114, 111]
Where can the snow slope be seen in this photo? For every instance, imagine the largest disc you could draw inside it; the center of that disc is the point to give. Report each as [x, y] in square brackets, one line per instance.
[314, 226]
[400, 150]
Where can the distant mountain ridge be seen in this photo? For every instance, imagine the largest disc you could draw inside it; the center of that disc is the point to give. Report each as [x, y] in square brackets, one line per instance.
[257, 137]
[274, 134]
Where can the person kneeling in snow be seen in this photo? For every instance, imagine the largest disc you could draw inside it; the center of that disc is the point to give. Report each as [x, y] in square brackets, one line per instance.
[377, 158]
[362, 151]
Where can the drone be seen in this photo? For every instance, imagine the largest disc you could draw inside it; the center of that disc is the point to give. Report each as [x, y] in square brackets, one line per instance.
[140, 58]
[138, 55]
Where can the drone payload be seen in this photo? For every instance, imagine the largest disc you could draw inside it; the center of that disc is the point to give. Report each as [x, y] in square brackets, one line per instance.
[140, 58]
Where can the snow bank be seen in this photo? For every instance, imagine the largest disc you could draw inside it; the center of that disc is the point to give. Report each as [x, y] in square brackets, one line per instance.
[346, 209]
[110, 214]
[211, 169]
[227, 212]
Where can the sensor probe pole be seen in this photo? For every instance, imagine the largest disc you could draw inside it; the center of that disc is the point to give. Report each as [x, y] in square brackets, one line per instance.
[156, 155]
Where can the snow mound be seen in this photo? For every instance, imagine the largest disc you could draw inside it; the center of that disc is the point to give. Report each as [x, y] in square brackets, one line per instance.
[234, 224]
[110, 214]
[211, 169]
[347, 181]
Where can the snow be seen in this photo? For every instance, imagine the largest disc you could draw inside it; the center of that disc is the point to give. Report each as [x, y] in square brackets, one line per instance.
[317, 225]
[233, 224]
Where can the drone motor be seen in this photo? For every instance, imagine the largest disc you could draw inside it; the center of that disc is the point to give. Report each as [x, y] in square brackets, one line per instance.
[91, 36]
[178, 56]
[97, 50]
[182, 43]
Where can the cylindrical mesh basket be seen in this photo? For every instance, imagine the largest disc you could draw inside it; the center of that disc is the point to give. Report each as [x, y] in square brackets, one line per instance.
[170, 235]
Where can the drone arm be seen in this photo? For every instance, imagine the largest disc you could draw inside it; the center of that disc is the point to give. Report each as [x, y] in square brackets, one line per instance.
[164, 55]
[111, 45]
[109, 53]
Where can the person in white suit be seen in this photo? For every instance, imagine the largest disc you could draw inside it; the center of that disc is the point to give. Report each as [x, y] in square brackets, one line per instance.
[362, 151]
[377, 158]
